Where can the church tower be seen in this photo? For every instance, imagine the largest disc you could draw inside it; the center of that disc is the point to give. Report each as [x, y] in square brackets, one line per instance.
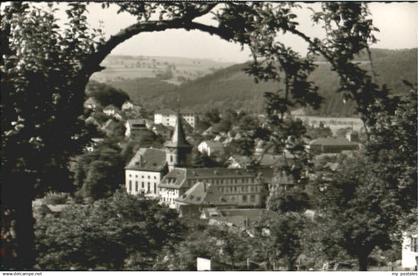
[178, 150]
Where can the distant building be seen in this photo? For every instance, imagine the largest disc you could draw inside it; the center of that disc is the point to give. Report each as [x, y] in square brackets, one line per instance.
[201, 195]
[110, 110]
[211, 147]
[239, 162]
[243, 219]
[133, 127]
[265, 160]
[127, 106]
[332, 145]
[409, 254]
[168, 117]
[90, 103]
[334, 123]
[240, 187]
[144, 172]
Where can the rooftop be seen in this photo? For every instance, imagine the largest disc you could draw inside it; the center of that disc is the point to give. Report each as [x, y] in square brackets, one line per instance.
[202, 194]
[148, 159]
[332, 141]
[136, 122]
[176, 178]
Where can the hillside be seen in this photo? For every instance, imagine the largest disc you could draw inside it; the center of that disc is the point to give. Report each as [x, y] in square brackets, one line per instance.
[173, 70]
[231, 87]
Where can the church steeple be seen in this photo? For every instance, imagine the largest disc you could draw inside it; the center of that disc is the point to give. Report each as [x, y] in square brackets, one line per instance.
[178, 150]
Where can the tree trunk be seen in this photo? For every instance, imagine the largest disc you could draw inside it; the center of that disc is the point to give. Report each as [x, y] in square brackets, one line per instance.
[17, 231]
[363, 262]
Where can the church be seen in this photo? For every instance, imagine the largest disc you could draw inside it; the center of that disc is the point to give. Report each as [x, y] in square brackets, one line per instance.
[145, 170]
[167, 174]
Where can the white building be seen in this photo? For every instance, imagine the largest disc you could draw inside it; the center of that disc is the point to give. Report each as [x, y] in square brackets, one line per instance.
[148, 166]
[409, 255]
[144, 172]
[210, 147]
[168, 117]
[127, 106]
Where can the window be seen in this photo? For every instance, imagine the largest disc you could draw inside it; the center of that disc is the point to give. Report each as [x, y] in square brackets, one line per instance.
[252, 198]
[142, 176]
[172, 159]
[413, 244]
[142, 185]
[137, 186]
[244, 198]
[154, 177]
[154, 188]
[136, 175]
[148, 187]
[129, 186]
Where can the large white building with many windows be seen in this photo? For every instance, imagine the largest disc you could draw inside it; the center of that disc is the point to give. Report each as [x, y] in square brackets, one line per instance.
[168, 117]
[145, 171]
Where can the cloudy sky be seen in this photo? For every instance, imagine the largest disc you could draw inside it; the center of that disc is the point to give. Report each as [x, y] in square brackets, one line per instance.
[397, 23]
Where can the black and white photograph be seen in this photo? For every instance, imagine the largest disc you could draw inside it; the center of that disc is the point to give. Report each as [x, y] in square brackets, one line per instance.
[165, 136]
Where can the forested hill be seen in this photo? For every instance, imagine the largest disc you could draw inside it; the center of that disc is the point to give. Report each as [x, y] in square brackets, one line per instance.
[232, 87]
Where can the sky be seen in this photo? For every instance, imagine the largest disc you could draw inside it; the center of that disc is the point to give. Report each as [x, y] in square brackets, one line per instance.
[397, 23]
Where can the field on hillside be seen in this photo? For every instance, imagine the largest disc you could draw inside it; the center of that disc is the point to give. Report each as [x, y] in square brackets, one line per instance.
[173, 70]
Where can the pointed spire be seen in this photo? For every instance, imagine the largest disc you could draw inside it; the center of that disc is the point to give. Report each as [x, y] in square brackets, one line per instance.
[178, 137]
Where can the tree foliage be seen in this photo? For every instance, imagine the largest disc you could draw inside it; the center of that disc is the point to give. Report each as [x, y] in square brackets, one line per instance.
[356, 198]
[105, 94]
[106, 235]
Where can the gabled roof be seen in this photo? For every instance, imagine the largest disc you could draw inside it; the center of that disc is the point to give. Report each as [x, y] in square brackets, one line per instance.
[242, 160]
[176, 178]
[148, 159]
[136, 122]
[202, 194]
[111, 107]
[268, 160]
[213, 144]
[178, 137]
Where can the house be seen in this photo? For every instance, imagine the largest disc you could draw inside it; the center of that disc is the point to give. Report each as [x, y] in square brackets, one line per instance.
[239, 162]
[240, 187]
[242, 219]
[133, 127]
[265, 160]
[144, 172]
[281, 182]
[409, 251]
[110, 110]
[162, 131]
[332, 145]
[211, 147]
[201, 195]
[167, 117]
[90, 103]
[127, 106]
